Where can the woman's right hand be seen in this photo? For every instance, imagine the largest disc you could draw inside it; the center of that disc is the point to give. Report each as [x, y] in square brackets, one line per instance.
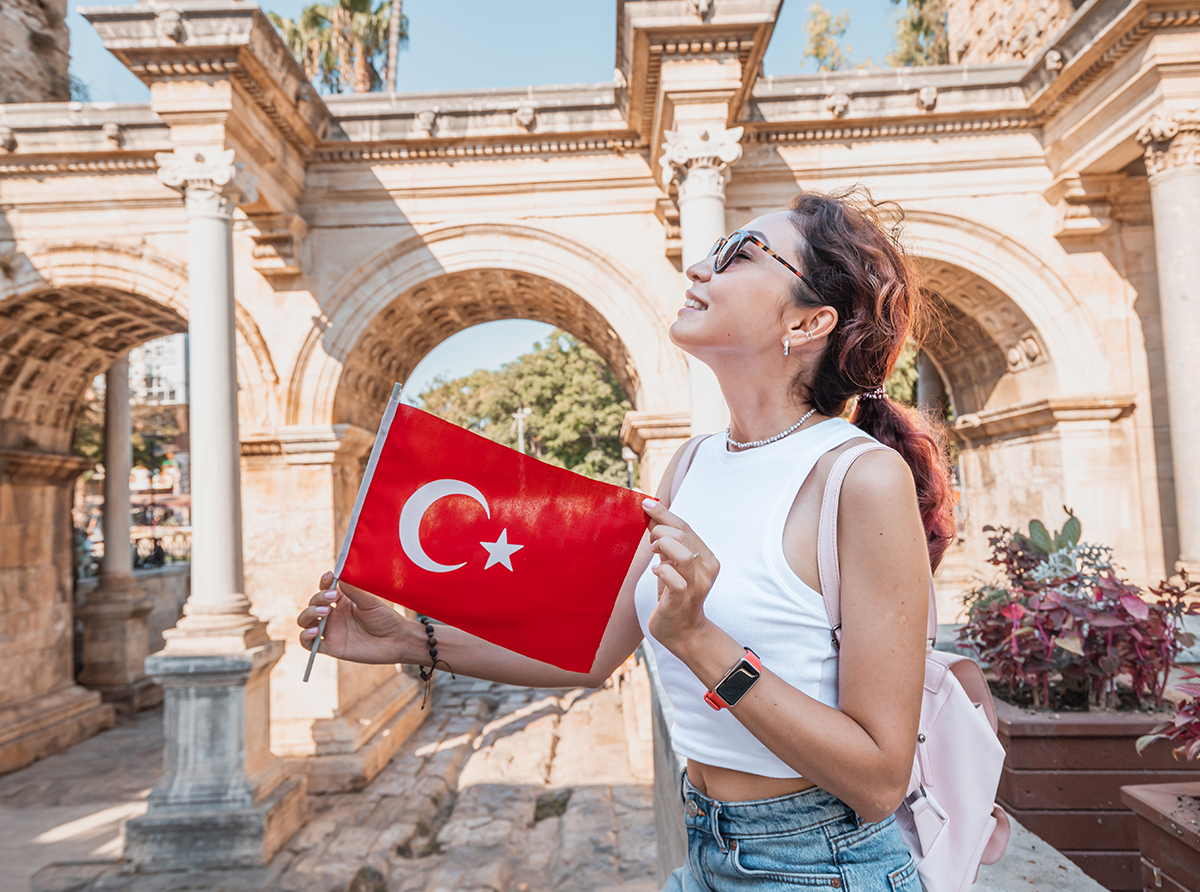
[361, 627]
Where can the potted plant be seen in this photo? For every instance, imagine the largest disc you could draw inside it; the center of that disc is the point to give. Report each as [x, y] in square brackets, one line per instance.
[1168, 815]
[1079, 659]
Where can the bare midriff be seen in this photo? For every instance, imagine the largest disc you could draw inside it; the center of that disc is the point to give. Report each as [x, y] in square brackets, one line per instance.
[728, 785]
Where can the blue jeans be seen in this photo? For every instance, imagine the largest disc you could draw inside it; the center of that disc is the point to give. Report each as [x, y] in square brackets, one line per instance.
[810, 838]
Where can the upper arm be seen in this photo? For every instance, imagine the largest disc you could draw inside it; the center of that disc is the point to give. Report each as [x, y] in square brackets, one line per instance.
[623, 632]
[884, 563]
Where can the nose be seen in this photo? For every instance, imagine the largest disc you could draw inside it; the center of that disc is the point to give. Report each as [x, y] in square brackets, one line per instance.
[700, 271]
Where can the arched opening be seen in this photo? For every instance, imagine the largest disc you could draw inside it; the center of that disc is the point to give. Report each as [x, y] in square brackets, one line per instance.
[53, 342]
[986, 354]
[423, 316]
[986, 348]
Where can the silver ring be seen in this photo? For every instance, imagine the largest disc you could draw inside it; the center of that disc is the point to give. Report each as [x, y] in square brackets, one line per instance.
[696, 556]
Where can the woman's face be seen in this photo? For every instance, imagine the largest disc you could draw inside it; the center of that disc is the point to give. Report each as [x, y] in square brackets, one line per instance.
[741, 310]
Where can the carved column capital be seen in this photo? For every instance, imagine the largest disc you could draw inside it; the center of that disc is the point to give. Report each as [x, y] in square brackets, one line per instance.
[1171, 140]
[212, 183]
[699, 161]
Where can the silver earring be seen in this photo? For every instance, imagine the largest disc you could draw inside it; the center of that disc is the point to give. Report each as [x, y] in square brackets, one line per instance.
[787, 346]
[808, 337]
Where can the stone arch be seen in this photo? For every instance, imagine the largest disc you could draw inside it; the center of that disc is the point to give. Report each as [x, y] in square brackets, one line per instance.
[382, 320]
[109, 297]
[1009, 321]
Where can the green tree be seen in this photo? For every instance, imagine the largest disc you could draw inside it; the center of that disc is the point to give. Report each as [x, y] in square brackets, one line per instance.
[921, 37]
[342, 43]
[901, 384]
[577, 406]
[825, 32]
[153, 426]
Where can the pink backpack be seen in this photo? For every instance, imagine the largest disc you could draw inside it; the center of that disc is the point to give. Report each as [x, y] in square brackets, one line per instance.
[949, 818]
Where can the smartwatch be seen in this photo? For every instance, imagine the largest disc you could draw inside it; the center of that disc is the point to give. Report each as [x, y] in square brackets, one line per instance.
[736, 683]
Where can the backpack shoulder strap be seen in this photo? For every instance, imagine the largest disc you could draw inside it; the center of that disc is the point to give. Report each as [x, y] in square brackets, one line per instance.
[827, 555]
[685, 462]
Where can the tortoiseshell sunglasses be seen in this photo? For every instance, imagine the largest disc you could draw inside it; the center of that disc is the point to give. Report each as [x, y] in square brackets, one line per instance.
[726, 249]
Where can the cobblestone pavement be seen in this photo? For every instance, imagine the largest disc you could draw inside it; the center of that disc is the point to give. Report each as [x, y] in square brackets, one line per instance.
[500, 789]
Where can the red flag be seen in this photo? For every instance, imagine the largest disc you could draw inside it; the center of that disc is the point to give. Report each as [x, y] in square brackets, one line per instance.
[521, 553]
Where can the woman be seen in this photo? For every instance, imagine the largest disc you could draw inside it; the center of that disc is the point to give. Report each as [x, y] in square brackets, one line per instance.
[796, 781]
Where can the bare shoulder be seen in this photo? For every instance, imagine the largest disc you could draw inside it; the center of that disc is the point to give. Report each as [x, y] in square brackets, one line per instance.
[879, 488]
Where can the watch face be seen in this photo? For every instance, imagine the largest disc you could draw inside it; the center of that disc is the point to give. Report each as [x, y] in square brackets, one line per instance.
[739, 681]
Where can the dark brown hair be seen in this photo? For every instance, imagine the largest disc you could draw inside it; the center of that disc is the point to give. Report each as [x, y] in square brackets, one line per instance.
[854, 262]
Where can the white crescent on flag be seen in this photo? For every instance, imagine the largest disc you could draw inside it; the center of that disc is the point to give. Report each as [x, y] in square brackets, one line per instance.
[499, 552]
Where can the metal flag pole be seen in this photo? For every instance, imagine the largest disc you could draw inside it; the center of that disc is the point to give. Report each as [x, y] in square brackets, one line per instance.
[380, 437]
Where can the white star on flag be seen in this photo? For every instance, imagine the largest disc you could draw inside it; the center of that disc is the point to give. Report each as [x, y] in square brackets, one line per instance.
[500, 552]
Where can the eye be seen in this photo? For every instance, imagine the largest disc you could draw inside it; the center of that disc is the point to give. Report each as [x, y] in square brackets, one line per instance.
[741, 255]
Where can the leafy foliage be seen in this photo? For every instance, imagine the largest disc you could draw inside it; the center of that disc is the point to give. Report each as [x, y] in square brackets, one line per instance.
[1064, 626]
[1184, 728]
[901, 384]
[577, 406]
[921, 34]
[342, 44]
[153, 426]
[825, 31]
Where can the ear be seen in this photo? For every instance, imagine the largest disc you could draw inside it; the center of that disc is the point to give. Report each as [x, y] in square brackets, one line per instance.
[803, 323]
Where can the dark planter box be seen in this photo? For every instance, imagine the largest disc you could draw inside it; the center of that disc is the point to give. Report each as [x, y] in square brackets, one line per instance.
[1062, 779]
[1168, 827]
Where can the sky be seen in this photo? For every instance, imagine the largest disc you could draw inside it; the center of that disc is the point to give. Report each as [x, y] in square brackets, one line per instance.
[467, 44]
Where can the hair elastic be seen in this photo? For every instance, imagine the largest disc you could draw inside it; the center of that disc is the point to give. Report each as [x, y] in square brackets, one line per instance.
[877, 394]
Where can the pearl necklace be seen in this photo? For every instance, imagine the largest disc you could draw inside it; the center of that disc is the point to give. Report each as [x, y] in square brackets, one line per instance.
[732, 442]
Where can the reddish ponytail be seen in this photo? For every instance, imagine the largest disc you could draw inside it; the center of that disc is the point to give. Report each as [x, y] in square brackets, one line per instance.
[854, 264]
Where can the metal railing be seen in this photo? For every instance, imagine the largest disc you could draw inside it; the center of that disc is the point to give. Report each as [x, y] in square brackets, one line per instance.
[151, 547]
[156, 546]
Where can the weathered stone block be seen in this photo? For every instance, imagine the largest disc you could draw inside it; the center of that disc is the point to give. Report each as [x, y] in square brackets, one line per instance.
[195, 839]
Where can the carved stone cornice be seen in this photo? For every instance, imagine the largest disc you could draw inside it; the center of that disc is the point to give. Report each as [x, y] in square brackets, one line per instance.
[1171, 140]
[312, 444]
[22, 466]
[639, 428]
[212, 38]
[213, 183]
[1040, 415]
[699, 162]
[277, 241]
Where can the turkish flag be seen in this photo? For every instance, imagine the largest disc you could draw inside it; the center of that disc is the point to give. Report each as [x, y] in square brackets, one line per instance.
[518, 552]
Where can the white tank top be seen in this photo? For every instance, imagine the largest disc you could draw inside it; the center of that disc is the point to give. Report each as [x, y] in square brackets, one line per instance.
[738, 504]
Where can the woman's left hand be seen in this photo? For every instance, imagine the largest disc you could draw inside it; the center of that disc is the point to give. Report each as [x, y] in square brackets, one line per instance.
[686, 572]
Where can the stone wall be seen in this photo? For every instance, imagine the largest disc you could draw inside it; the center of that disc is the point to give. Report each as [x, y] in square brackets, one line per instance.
[34, 51]
[168, 586]
[1000, 31]
[35, 589]
[42, 710]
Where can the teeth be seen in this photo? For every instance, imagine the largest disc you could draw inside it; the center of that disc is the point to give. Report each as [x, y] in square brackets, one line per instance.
[693, 303]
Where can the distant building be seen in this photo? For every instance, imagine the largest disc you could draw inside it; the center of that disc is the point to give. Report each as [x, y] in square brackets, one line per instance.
[158, 371]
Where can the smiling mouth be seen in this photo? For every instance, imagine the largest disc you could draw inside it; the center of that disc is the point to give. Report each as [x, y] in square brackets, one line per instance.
[694, 304]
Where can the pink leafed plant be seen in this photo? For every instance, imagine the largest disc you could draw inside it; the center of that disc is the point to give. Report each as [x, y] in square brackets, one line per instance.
[1184, 729]
[1062, 626]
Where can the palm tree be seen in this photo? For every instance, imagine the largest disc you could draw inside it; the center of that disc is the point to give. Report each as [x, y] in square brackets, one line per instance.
[397, 26]
[342, 42]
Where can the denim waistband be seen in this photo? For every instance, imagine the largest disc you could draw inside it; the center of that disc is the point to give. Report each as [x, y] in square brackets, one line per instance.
[807, 809]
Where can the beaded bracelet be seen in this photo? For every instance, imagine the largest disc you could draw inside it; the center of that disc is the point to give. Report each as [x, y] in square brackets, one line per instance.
[427, 674]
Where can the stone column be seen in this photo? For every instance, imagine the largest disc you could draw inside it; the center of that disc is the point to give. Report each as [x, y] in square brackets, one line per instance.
[931, 388]
[223, 800]
[699, 162]
[654, 436]
[1172, 144]
[115, 637]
